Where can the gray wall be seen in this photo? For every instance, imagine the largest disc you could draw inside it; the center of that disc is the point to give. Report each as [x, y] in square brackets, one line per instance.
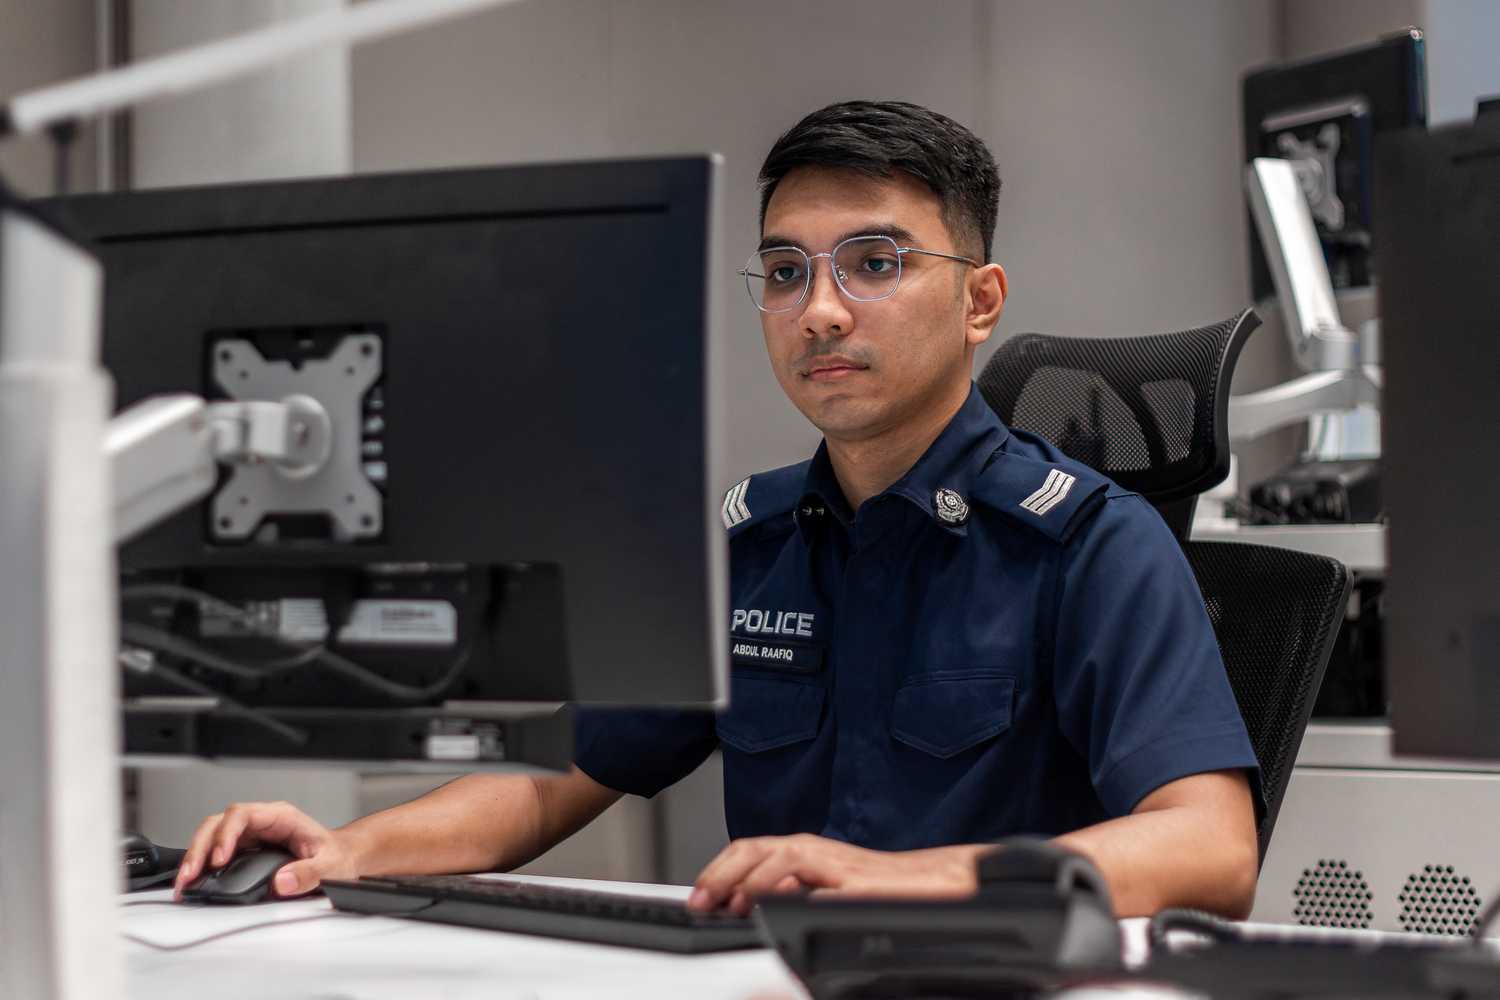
[1463, 46]
[1313, 27]
[289, 121]
[1117, 131]
[1463, 42]
[1114, 124]
[577, 78]
[42, 43]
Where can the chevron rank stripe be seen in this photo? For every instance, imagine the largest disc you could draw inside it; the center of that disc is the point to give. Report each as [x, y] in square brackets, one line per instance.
[735, 511]
[1052, 493]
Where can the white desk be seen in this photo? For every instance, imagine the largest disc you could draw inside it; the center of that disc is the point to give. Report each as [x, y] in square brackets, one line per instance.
[356, 957]
[353, 957]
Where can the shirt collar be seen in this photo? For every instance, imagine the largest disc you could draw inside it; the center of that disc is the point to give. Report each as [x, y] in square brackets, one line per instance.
[822, 497]
[940, 483]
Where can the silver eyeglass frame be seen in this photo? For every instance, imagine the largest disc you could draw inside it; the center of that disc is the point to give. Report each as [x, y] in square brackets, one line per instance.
[838, 280]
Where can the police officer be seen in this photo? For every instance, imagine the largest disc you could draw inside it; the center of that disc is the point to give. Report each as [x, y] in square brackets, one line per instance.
[943, 631]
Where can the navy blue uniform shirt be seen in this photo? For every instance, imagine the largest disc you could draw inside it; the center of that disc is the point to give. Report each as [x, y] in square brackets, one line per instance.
[1002, 642]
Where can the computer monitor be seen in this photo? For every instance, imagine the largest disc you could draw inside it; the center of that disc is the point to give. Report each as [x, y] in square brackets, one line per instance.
[1437, 199]
[1324, 113]
[520, 508]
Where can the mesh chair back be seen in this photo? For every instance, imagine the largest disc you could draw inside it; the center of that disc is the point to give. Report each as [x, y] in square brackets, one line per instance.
[1275, 613]
[1149, 412]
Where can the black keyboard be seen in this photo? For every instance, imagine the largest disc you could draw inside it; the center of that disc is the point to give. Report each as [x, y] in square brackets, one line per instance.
[553, 911]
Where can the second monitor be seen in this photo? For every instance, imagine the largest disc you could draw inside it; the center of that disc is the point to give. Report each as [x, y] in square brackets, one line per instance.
[520, 501]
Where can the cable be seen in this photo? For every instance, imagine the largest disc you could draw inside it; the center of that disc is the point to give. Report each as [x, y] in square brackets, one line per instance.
[231, 933]
[225, 704]
[302, 659]
[177, 592]
[167, 642]
[173, 592]
[1193, 921]
[393, 690]
[333, 661]
[229, 706]
[163, 641]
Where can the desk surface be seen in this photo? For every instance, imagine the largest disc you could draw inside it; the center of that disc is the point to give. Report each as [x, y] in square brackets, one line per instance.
[348, 956]
[342, 956]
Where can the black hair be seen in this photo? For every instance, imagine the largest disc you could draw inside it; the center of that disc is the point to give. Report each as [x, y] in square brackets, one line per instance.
[878, 138]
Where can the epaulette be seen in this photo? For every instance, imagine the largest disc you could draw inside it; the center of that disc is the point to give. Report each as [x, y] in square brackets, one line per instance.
[762, 496]
[1053, 498]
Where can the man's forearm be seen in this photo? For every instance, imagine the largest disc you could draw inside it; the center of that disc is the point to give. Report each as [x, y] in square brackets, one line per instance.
[480, 822]
[1200, 854]
[1156, 860]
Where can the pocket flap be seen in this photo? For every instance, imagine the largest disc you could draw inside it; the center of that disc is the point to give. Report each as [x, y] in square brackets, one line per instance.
[765, 713]
[946, 714]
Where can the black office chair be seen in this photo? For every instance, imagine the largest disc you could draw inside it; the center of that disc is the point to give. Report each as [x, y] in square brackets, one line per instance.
[1149, 412]
[1276, 613]
[1152, 414]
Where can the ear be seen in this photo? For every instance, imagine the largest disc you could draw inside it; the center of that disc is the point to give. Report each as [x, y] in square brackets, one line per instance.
[985, 299]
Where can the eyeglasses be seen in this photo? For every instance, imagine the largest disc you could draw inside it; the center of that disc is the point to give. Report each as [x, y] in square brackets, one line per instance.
[865, 268]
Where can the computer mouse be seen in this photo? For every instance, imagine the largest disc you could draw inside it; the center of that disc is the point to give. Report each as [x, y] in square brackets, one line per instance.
[245, 879]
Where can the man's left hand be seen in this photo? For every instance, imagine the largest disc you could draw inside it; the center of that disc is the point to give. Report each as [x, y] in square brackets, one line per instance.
[756, 866]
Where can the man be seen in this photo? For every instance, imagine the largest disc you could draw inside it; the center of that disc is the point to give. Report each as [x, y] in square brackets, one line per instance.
[943, 631]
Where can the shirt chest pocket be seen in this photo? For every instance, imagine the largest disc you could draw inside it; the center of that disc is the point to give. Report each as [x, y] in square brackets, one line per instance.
[766, 713]
[946, 713]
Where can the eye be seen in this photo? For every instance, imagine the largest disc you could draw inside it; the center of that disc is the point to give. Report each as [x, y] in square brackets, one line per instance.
[784, 274]
[879, 264]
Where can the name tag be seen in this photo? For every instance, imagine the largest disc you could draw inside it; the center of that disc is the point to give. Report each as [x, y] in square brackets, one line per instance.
[776, 654]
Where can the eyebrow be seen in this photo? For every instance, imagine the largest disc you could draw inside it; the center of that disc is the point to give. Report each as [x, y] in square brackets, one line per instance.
[898, 233]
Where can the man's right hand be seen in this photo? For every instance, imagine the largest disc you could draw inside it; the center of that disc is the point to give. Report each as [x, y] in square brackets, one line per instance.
[321, 852]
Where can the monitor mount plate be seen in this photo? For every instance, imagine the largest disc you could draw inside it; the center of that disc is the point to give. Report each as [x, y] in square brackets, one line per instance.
[339, 488]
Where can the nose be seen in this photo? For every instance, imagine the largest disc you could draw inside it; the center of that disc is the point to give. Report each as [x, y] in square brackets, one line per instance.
[825, 313]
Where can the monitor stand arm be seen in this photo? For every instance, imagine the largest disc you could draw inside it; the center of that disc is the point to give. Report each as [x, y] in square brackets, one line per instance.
[164, 451]
[1256, 413]
[1342, 373]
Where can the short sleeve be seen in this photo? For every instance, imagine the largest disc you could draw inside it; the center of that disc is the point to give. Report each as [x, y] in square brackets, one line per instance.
[1141, 689]
[641, 751]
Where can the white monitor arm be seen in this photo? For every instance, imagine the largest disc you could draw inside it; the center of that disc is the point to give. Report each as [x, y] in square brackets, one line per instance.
[163, 451]
[1340, 365]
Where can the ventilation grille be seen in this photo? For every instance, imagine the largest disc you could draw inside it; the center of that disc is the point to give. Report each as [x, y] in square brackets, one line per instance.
[1436, 901]
[1332, 895]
